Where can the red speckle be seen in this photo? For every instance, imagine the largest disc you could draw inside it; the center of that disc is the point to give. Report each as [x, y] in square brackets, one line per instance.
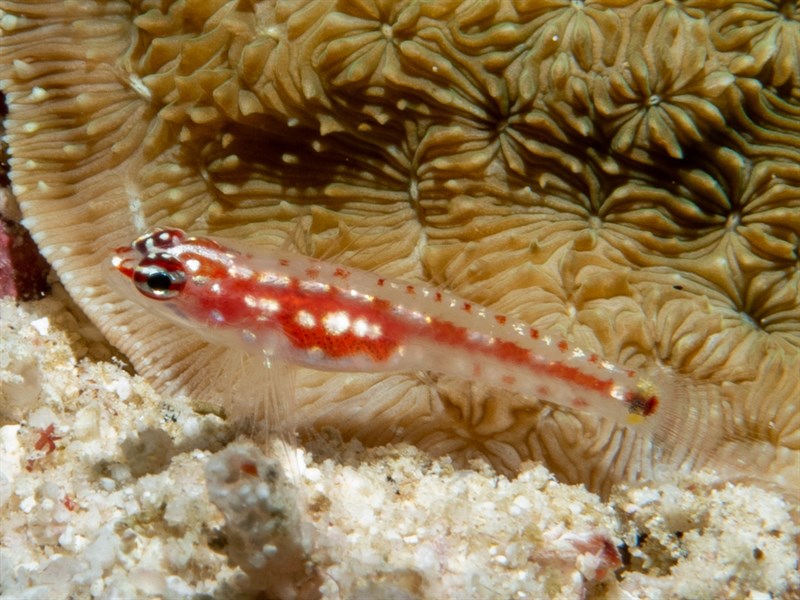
[410, 290]
[283, 262]
[534, 333]
[600, 546]
[312, 272]
[292, 300]
[342, 273]
[382, 306]
[543, 391]
[501, 319]
[476, 370]
[467, 307]
[47, 438]
[509, 379]
[46, 441]
[126, 271]
[453, 335]
[69, 503]
[249, 468]
[438, 297]
[580, 403]
[631, 374]
[594, 358]
[573, 374]
[381, 281]
[563, 346]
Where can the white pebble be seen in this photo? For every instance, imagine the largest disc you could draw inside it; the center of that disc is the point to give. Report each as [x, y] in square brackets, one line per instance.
[27, 504]
[42, 326]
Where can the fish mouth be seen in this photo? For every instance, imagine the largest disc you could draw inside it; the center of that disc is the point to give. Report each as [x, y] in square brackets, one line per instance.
[124, 260]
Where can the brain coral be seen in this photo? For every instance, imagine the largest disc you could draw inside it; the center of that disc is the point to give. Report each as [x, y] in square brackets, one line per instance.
[624, 173]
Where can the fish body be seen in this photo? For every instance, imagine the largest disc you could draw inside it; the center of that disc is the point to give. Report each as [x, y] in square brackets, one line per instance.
[331, 317]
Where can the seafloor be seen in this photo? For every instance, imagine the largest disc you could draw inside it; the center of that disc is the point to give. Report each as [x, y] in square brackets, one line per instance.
[108, 490]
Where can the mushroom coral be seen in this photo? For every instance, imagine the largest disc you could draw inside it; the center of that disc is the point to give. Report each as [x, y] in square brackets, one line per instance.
[625, 174]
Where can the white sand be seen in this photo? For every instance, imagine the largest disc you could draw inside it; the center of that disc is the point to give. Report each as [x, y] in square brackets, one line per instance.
[120, 507]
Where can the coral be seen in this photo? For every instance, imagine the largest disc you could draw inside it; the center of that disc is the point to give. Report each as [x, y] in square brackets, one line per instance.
[623, 173]
[769, 34]
[663, 99]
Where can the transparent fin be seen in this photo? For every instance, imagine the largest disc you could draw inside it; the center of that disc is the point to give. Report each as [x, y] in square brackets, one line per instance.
[706, 425]
[257, 394]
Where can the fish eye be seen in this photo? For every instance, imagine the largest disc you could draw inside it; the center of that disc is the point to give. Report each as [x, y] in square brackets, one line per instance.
[159, 276]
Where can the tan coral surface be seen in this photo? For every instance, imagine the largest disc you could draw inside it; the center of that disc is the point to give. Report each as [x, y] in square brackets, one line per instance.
[626, 174]
[126, 504]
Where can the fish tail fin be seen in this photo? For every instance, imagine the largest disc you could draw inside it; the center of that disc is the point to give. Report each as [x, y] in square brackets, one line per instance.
[706, 425]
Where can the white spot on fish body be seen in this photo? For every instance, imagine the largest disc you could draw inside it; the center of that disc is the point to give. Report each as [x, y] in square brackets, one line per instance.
[305, 319]
[314, 286]
[239, 272]
[360, 327]
[268, 278]
[480, 338]
[413, 315]
[356, 295]
[336, 323]
[316, 352]
[193, 265]
[268, 305]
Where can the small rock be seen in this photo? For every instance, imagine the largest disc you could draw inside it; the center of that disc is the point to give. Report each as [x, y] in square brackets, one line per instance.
[23, 271]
